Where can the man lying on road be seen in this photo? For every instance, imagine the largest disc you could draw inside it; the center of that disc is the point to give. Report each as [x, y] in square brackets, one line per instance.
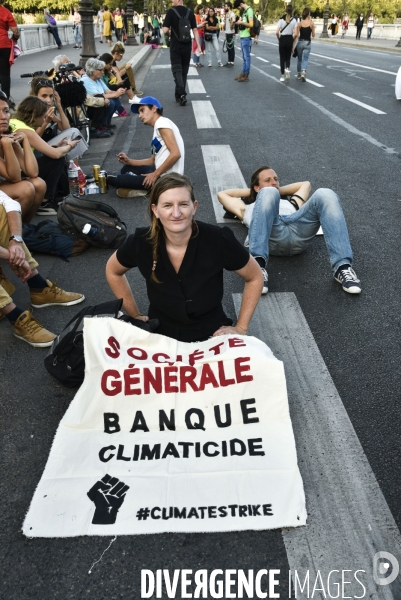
[284, 228]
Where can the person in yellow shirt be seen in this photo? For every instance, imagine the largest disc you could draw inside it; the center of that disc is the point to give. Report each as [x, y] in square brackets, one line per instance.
[119, 25]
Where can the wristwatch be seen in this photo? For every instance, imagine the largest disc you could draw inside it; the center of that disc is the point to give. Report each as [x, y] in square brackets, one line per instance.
[16, 238]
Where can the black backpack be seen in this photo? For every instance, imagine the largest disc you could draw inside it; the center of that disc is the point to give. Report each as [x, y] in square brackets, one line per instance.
[73, 214]
[255, 29]
[66, 359]
[184, 27]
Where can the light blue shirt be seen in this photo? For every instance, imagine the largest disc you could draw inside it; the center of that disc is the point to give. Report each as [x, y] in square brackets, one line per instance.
[94, 87]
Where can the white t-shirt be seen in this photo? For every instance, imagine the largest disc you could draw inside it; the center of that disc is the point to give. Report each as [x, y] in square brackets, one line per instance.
[371, 22]
[229, 18]
[160, 150]
[285, 208]
[289, 29]
[8, 203]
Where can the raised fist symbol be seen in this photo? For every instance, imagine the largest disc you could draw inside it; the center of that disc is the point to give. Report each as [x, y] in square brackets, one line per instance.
[108, 494]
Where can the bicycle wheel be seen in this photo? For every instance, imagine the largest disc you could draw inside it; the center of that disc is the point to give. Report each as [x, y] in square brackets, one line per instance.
[78, 118]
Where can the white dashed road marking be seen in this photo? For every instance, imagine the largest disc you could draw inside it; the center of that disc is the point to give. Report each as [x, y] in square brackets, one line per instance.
[367, 106]
[205, 115]
[195, 86]
[223, 173]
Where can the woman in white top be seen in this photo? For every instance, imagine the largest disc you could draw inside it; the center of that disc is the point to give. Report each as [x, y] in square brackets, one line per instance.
[285, 36]
[77, 27]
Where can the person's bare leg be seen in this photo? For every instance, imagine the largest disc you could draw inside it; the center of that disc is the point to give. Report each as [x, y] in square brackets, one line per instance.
[40, 191]
[24, 193]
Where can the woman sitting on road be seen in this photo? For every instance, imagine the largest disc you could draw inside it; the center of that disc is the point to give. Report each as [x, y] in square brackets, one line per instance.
[102, 102]
[124, 72]
[183, 261]
[16, 156]
[29, 115]
[113, 81]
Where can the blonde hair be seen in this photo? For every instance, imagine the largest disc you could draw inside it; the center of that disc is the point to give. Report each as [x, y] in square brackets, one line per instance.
[167, 182]
[118, 47]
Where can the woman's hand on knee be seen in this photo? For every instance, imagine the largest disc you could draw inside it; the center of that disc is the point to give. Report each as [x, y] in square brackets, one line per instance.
[227, 330]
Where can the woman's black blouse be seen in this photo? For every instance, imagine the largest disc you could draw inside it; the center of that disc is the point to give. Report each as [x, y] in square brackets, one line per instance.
[187, 303]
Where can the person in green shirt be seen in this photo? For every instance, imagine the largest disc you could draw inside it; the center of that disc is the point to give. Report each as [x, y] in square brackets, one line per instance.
[155, 25]
[244, 25]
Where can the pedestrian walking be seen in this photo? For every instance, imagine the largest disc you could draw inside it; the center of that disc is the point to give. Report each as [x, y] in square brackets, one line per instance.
[304, 33]
[200, 24]
[100, 23]
[211, 29]
[334, 25]
[7, 23]
[359, 26]
[107, 25]
[52, 27]
[77, 27]
[119, 25]
[180, 20]
[136, 22]
[370, 23]
[229, 24]
[245, 23]
[345, 25]
[259, 18]
[285, 36]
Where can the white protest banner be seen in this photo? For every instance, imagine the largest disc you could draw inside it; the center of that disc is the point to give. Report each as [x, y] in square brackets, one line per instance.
[167, 436]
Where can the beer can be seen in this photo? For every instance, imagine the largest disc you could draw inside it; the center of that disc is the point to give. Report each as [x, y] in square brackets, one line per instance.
[96, 169]
[103, 173]
[102, 184]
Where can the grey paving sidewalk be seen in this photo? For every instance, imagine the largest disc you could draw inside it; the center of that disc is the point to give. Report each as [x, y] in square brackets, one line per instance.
[372, 44]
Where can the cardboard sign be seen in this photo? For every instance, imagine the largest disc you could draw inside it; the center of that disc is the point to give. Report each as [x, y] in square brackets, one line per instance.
[167, 436]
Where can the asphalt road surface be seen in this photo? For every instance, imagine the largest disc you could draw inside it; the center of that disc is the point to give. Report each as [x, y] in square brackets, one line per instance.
[340, 129]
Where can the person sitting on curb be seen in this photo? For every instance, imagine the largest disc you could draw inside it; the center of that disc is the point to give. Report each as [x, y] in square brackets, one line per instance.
[138, 176]
[271, 230]
[42, 291]
[125, 72]
[101, 102]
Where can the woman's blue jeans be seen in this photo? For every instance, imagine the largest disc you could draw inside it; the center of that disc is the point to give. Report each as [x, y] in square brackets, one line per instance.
[77, 35]
[287, 235]
[304, 49]
[215, 44]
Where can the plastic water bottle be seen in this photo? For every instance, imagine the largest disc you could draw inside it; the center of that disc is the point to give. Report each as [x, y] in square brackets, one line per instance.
[73, 178]
[90, 230]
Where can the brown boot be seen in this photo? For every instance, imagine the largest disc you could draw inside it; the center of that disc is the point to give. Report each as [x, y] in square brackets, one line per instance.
[31, 331]
[239, 77]
[244, 78]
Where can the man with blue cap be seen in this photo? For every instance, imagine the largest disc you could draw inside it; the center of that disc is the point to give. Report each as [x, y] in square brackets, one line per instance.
[138, 176]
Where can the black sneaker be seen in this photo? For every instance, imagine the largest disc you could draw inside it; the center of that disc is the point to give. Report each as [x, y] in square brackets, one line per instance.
[183, 100]
[47, 208]
[348, 279]
[98, 133]
[265, 288]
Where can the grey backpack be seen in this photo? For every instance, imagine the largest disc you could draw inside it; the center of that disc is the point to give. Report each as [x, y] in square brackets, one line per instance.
[107, 229]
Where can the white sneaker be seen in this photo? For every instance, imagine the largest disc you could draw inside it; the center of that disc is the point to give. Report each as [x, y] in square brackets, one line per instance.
[282, 78]
[116, 115]
[134, 100]
[220, 64]
[265, 288]
[287, 74]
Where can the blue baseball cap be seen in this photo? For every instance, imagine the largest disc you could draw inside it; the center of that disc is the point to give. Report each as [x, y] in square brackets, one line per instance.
[145, 100]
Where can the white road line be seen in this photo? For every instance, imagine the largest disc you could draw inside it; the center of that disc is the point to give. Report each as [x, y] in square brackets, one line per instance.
[252, 54]
[349, 520]
[367, 106]
[193, 71]
[314, 83]
[338, 120]
[277, 66]
[376, 52]
[195, 86]
[354, 64]
[160, 67]
[263, 59]
[205, 115]
[223, 173]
